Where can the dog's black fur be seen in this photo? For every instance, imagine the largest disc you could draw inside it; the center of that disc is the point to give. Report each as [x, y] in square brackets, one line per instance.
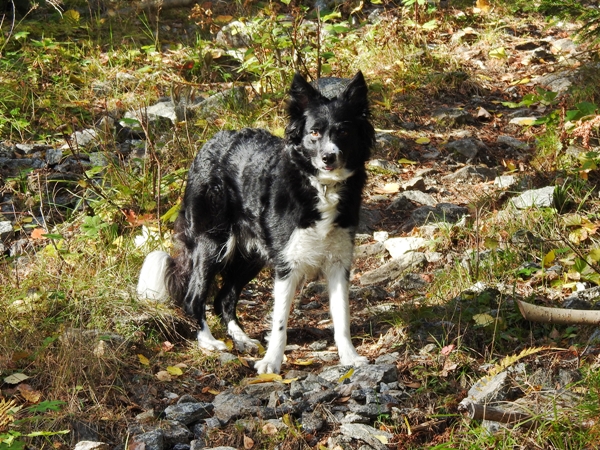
[248, 192]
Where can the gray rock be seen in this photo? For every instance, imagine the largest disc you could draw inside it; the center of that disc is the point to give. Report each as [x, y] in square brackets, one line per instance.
[6, 229]
[187, 398]
[85, 138]
[263, 391]
[512, 142]
[53, 156]
[564, 46]
[369, 410]
[368, 220]
[466, 147]
[188, 413]
[153, 440]
[539, 198]
[373, 293]
[12, 166]
[98, 159]
[392, 269]
[388, 358]
[399, 246]
[89, 445]
[472, 173]
[154, 113]
[311, 422]
[443, 212]
[419, 197]
[383, 165]
[229, 405]
[221, 448]
[226, 358]
[505, 181]
[415, 184]
[235, 34]
[452, 117]
[175, 433]
[367, 434]
[230, 98]
[365, 250]
[385, 142]
[371, 375]
[487, 390]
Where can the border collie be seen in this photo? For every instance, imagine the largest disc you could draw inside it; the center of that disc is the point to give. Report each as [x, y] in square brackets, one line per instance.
[253, 199]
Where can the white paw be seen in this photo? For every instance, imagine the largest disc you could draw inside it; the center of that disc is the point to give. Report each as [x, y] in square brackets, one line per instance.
[242, 342]
[266, 365]
[208, 342]
[353, 360]
[247, 345]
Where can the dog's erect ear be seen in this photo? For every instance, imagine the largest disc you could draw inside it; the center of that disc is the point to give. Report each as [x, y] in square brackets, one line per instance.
[301, 94]
[356, 94]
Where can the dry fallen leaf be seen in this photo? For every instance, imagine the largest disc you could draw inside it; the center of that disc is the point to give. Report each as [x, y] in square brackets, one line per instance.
[269, 429]
[15, 378]
[29, 394]
[248, 442]
[166, 346]
[263, 378]
[163, 375]
[447, 350]
[38, 233]
[143, 360]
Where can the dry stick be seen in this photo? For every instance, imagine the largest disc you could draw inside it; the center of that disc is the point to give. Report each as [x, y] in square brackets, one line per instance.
[483, 412]
[543, 314]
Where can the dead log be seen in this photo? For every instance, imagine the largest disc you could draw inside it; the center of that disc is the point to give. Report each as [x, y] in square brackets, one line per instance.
[543, 314]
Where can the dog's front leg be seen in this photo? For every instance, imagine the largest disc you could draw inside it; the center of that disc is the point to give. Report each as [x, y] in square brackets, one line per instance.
[283, 294]
[337, 279]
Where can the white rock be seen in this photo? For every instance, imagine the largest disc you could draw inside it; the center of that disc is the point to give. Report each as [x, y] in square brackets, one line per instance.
[401, 245]
[381, 236]
[541, 198]
[90, 445]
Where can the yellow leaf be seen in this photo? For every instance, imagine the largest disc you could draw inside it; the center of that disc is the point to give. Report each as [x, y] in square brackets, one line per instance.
[229, 344]
[263, 378]
[143, 360]
[261, 349]
[346, 375]
[406, 161]
[483, 320]
[422, 141]
[381, 438]
[71, 16]
[163, 375]
[289, 380]
[223, 19]
[213, 392]
[499, 53]
[549, 258]
[15, 378]
[175, 371]
[303, 362]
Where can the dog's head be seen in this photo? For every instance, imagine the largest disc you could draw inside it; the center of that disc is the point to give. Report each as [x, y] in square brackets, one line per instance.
[334, 133]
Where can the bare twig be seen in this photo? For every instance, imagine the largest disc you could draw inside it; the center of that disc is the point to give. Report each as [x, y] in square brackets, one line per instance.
[543, 314]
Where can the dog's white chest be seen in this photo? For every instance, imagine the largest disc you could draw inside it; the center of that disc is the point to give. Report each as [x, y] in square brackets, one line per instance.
[316, 248]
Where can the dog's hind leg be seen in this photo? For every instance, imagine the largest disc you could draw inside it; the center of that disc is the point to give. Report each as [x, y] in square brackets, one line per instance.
[238, 273]
[337, 278]
[205, 268]
[283, 294]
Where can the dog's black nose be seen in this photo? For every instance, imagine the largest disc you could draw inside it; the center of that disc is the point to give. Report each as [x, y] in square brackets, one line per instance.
[329, 158]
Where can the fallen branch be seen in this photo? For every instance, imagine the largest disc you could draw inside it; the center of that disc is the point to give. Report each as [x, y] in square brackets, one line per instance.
[536, 313]
[482, 412]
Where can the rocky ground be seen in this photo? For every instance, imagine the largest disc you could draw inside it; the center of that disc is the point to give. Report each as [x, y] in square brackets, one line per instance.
[428, 178]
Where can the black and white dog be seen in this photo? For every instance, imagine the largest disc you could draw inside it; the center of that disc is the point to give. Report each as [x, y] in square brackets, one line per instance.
[254, 199]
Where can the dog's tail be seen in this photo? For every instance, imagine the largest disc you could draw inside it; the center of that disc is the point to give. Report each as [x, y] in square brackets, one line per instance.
[161, 278]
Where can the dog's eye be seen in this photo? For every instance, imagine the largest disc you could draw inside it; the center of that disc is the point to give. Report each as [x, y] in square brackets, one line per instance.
[315, 133]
